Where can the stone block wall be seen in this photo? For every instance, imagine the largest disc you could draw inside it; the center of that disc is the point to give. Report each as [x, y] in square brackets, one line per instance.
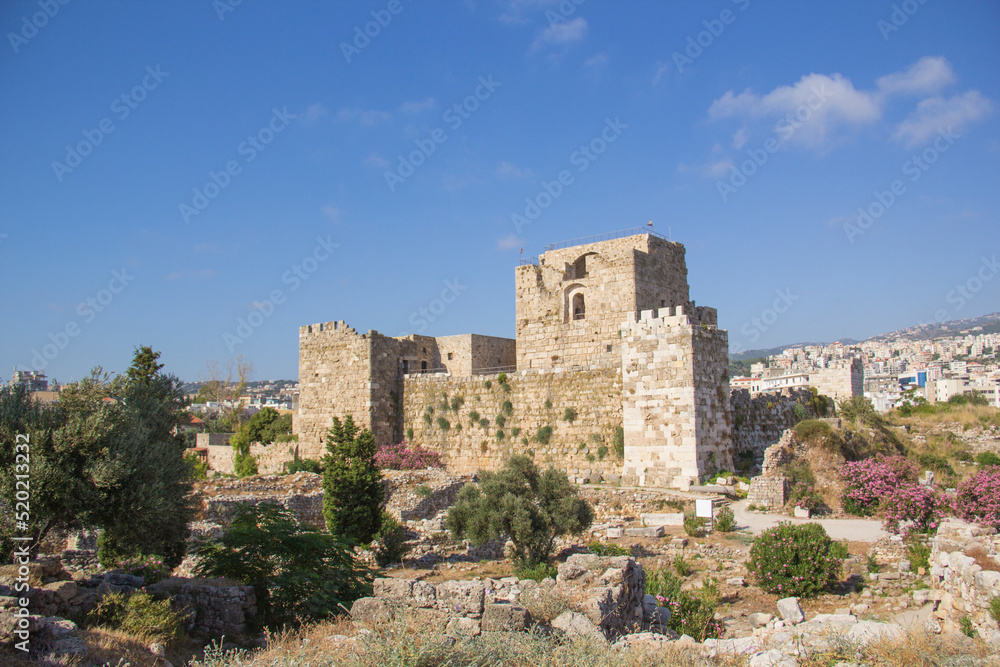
[537, 399]
[841, 381]
[611, 278]
[218, 609]
[967, 588]
[271, 458]
[769, 491]
[675, 398]
[759, 422]
[302, 493]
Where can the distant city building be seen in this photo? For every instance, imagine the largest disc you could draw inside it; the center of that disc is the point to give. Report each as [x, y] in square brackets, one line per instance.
[31, 380]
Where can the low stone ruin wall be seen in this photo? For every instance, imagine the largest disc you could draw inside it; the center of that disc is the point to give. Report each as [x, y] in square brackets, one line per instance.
[218, 608]
[967, 588]
[302, 493]
[607, 591]
[759, 422]
[271, 458]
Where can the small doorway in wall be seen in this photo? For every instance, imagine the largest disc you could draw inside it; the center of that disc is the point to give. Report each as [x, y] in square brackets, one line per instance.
[579, 306]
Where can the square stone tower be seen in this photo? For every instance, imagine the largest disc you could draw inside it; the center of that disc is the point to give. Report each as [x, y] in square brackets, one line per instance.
[571, 304]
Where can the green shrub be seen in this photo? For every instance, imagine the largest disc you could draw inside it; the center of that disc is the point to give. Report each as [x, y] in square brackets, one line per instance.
[502, 378]
[935, 462]
[693, 525]
[473, 416]
[487, 384]
[569, 415]
[515, 432]
[409, 434]
[536, 572]
[456, 403]
[602, 451]
[918, 552]
[531, 508]
[352, 482]
[427, 418]
[690, 613]
[965, 625]
[799, 412]
[682, 566]
[725, 520]
[245, 464]
[500, 435]
[443, 424]
[543, 435]
[988, 459]
[507, 408]
[390, 541]
[812, 430]
[421, 490]
[607, 549]
[794, 560]
[994, 608]
[138, 614]
[198, 467]
[484, 423]
[871, 564]
[548, 404]
[298, 572]
[963, 455]
[500, 420]
[618, 442]
[303, 465]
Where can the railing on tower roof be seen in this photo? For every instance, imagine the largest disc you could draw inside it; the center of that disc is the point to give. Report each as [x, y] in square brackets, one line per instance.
[525, 261]
[605, 237]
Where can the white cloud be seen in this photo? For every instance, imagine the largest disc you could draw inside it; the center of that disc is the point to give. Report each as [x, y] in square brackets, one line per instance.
[515, 12]
[820, 109]
[938, 113]
[377, 161]
[597, 62]
[510, 242]
[313, 113]
[417, 106]
[928, 75]
[718, 169]
[367, 118]
[562, 33]
[331, 212]
[506, 170]
[740, 138]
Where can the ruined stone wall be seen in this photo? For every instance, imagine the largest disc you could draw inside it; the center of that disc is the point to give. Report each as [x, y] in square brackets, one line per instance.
[758, 422]
[966, 587]
[676, 403]
[537, 399]
[302, 493]
[211, 439]
[613, 278]
[270, 458]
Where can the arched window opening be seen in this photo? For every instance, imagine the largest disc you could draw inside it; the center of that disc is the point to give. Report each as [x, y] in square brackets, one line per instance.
[579, 307]
[580, 267]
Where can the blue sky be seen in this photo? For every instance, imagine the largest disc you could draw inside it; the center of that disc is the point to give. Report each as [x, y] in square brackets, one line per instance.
[171, 169]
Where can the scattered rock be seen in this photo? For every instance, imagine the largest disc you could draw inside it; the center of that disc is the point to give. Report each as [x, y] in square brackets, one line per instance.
[790, 610]
[573, 624]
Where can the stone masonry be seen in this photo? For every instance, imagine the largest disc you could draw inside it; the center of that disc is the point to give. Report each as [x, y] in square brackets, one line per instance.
[610, 355]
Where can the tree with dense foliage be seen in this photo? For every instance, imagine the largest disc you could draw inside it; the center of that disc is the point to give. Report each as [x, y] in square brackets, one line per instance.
[796, 560]
[520, 503]
[105, 456]
[352, 482]
[144, 367]
[299, 573]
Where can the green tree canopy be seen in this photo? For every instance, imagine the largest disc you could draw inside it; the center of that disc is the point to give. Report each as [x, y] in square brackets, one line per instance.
[352, 483]
[519, 503]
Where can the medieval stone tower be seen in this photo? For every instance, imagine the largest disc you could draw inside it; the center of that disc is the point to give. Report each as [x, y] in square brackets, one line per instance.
[615, 374]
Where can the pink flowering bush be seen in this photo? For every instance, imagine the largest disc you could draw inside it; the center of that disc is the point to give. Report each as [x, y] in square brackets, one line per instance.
[911, 508]
[150, 568]
[795, 560]
[979, 498]
[404, 457]
[869, 481]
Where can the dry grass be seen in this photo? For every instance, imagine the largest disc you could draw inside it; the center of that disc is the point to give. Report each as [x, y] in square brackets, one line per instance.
[971, 415]
[983, 559]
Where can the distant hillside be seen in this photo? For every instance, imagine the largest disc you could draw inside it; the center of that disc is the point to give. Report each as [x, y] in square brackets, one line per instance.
[989, 323]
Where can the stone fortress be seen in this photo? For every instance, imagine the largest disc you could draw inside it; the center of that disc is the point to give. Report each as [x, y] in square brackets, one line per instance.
[615, 374]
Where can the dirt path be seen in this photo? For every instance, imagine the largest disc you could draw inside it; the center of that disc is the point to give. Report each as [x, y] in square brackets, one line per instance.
[855, 530]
